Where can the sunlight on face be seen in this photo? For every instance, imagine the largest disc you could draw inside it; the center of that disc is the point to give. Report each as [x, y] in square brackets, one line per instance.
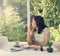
[34, 23]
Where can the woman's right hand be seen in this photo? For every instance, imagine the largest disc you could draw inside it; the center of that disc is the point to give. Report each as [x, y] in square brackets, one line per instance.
[30, 28]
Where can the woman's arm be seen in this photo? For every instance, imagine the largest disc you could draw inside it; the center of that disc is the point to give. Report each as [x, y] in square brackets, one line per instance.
[29, 36]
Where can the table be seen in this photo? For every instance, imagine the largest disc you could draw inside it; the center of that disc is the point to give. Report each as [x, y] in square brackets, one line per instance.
[5, 51]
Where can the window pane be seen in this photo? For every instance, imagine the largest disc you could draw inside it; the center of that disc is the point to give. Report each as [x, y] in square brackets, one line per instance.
[13, 19]
[49, 9]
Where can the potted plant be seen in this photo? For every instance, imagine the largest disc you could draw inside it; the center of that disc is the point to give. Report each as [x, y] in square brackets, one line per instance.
[50, 49]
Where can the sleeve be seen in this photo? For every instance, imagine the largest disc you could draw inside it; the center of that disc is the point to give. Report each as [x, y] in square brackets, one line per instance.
[46, 30]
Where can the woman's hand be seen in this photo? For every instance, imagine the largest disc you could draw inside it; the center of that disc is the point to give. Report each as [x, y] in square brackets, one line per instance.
[29, 28]
[29, 37]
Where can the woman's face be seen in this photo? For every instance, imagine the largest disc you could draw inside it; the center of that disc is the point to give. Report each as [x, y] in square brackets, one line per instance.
[34, 23]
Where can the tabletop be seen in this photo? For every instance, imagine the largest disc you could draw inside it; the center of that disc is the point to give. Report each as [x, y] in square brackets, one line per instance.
[6, 51]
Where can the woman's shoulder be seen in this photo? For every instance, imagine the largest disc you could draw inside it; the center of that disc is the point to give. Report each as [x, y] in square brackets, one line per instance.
[46, 29]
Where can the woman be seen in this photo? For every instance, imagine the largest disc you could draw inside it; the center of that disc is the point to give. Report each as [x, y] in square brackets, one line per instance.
[38, 33]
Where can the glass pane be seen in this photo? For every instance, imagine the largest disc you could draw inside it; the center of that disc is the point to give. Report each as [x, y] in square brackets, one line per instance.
[49, 9]
[13, 19]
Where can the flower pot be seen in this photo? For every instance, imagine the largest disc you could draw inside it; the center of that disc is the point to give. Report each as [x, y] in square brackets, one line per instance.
[50, 50]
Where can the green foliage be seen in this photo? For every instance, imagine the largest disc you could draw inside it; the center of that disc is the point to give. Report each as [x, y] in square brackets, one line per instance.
[49, 44]
[55, 33]
[12, 27]
[20, 6]
[48, 9]
[13, 17]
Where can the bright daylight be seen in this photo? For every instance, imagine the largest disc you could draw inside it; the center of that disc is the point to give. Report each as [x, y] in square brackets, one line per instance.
[29, 27]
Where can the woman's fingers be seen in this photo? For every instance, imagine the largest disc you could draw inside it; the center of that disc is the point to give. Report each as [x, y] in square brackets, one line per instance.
[30, 28]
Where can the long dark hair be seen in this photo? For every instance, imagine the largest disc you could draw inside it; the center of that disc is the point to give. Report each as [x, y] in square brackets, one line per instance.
[40, 23]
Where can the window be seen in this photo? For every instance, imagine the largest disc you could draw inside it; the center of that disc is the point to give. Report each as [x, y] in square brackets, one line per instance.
[13, 19]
